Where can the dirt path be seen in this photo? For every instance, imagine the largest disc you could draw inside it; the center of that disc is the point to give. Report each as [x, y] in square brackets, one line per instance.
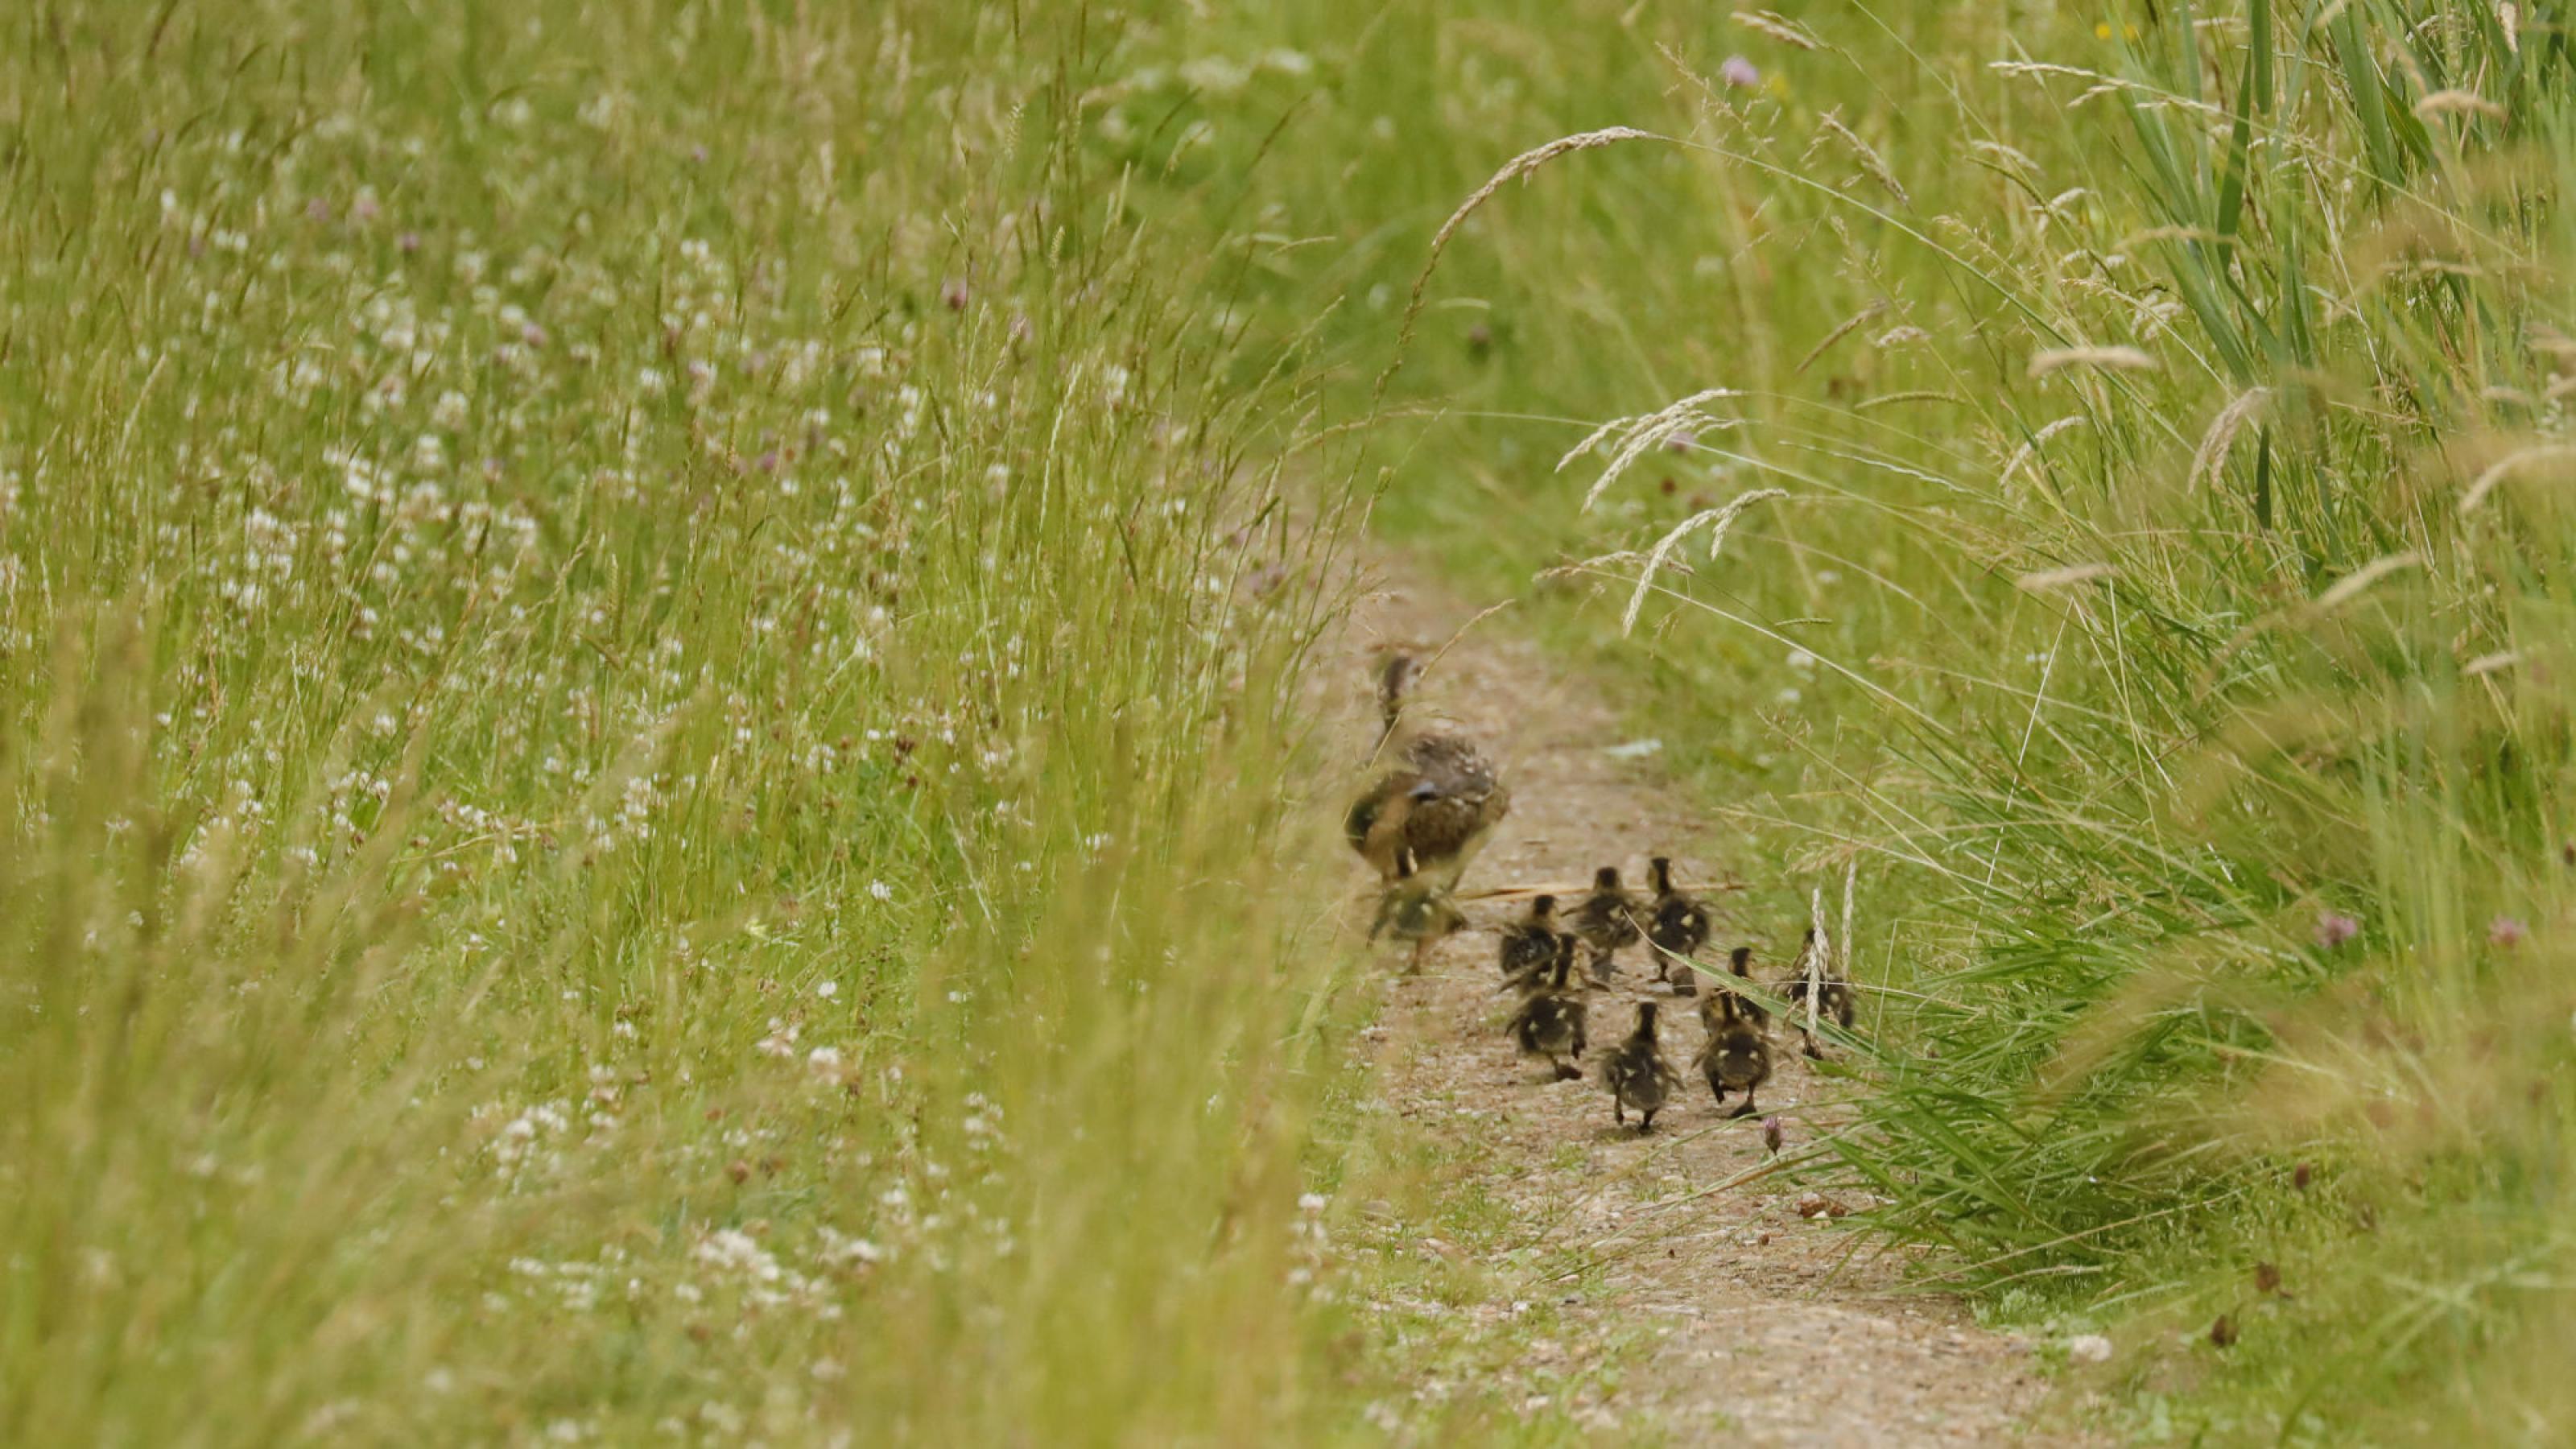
[1774, 1331]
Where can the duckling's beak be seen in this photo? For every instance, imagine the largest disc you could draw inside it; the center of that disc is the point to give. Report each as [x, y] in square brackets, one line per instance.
[1425, 791]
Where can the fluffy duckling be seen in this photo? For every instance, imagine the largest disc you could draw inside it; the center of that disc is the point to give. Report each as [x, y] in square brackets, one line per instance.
[1550, 1021]
[1833, 995]
[1607, 920]
[1742, 1000]
[1415, 909]
[1529, 946]
[1737, 1056]
[1637, 1074]
[1441, 799]
[1676, 925]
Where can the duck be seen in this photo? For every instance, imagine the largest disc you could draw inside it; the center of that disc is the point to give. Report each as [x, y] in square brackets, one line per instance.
[1416, 910]
[1676, 927]
[1607, 920]
[1550, 1020]
[1741, 1000]
[1737, 1054]
[1529, 946]
[1833, 995]
[1441, 799]
[1637, 1074]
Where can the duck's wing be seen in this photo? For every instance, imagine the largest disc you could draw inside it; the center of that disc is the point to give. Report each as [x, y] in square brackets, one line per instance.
[1376, 824]
[1445, 829]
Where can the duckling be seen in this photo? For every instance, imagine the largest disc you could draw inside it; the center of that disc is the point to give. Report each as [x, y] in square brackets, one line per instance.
[1737, 1056]
[1530, 946]
[1550, 1021]
[1637, 1074]
[1676, 925]
[1833, 995]
[1415, 909]
[1741, 999]
[1607, 920]
[1441, 800]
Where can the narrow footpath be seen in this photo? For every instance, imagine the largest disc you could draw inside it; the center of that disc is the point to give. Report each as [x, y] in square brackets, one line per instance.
[1771, 1326]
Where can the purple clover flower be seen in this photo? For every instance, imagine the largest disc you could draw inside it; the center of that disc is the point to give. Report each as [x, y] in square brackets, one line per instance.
[2335, 928]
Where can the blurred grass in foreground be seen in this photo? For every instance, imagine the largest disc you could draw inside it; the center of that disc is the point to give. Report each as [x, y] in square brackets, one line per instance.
[643, 735]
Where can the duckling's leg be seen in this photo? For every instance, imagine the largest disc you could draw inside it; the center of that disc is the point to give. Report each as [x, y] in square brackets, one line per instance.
[1807, 1045]
[1716, 1090]
[1646, 1122]
[1568, 1072]
[1618, 1109]
[1744, 1111]
[1421, 953]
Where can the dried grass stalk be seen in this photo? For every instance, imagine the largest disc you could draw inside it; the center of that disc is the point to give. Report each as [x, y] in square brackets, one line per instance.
[2351, 585]
[2123, 359]
[2212, 454]
[2511, 463]
[1841, 332]
[2022, 455]
[2047, 579]
[1889, 399]
[1717, 520]
[1816, 957]
[1518, 168]
[1870, 160]
[1637, 435]
[2457, 102]
[1777, 26]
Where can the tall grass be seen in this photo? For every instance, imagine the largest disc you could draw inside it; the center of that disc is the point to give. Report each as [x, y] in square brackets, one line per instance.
[535, 540]
[2164, 614]
[643, 743]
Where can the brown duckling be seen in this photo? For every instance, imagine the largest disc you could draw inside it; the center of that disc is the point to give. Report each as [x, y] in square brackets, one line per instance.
[1676, 926]
[1550, 1020]
[1833, 995]
[1607, 920]
[1737, 1056]
[1413, 908]
[1529, 947]
[1745, 999]
[1637, 1074]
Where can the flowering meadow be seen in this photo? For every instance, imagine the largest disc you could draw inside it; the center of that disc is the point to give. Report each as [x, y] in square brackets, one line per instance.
[642, 738]
[654, 776]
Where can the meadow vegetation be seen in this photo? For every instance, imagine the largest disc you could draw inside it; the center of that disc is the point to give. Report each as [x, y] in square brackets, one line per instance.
[2161, 614]
[644, 725]
[650, 729]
